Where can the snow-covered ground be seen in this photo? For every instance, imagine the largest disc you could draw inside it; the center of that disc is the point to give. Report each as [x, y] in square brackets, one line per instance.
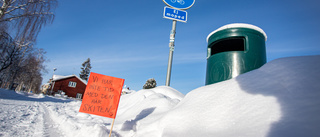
[280, 99]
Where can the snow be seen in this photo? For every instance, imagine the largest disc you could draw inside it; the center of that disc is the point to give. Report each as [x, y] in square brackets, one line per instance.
[281, 98]
[59, 77]
[238, 25]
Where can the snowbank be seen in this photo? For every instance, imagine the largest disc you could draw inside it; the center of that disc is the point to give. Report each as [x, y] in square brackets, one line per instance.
[281, 98]
[138, 110]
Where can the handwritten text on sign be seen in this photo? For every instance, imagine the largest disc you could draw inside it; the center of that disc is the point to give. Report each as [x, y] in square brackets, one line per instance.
[102, 95]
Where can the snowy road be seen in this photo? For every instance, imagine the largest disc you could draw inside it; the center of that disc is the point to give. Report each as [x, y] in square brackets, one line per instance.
[18, 116]
[26, 117]
[29, 115]
[50, 128]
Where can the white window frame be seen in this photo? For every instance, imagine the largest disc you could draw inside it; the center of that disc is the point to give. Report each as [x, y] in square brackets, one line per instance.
[79, 95]
[72, 84]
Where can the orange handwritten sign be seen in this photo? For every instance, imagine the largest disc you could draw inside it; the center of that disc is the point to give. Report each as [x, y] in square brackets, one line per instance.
[102, 95]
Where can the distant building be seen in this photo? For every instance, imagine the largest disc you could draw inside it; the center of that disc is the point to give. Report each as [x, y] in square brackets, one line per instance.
[46, 87]
[71, 86]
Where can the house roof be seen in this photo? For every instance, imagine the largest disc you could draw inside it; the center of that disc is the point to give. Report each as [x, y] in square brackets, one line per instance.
[59, 77]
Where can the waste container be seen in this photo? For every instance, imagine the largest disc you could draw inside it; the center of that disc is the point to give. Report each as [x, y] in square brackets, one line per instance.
[234, 49]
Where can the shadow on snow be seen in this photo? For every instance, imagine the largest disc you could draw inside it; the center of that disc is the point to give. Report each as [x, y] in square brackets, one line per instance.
[22, 96]
[131, 124]
[295, 84]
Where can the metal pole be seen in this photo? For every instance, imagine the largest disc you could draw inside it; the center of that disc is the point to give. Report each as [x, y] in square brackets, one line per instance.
[52, 83]
[171, 46]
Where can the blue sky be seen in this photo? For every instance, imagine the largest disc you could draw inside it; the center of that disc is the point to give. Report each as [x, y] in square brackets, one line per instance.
[129, 39]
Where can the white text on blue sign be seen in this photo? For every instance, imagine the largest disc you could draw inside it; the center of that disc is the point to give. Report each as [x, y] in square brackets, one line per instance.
[175, 14]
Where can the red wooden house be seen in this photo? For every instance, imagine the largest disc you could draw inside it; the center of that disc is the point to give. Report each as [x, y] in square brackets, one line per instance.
[71, 85]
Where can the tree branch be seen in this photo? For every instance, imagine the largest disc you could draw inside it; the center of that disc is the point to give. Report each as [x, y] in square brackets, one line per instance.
[26, 15]
[15, 8]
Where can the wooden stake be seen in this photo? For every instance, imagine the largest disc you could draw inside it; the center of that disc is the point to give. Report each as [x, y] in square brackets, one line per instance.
[111, 128]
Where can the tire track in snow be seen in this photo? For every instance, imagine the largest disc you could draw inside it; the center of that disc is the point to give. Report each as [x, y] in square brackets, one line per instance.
[50, 128]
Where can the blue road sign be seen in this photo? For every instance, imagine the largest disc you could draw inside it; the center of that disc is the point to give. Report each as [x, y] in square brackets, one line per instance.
[175, 14]
[179, 4]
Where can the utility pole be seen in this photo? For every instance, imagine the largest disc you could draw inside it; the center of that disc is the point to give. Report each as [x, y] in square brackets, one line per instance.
[52, 83]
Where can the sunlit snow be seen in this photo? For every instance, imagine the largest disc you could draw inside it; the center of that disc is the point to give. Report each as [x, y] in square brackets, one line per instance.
[281, 98]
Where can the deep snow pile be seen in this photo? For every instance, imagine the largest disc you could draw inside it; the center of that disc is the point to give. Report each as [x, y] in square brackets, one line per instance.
[282, 98]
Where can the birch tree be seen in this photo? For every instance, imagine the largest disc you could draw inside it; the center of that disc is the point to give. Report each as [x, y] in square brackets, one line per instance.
[20, 23]
[26, 72]
[29, 76]
[25, 18]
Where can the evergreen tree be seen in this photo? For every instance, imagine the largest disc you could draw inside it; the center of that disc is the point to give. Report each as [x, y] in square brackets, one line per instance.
[151, 83]
[85, 70]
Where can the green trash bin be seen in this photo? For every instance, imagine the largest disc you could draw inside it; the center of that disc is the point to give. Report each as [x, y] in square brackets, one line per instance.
[234, 49]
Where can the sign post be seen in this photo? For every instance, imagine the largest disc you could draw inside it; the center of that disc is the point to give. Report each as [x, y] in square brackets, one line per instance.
[176, 13]
[171, 46]
[102, 96]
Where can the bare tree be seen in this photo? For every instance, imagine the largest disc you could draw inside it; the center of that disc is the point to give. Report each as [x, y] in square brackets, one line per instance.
[30, 74]
[20, 23]
[8, 50]
[26, 74]
[25, 18]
